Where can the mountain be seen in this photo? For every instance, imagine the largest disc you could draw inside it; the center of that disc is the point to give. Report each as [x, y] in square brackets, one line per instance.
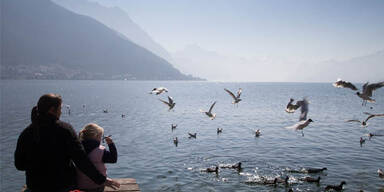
[41, 39]
[225, 67]
[357, 69]
[118, 20]
[212, 65]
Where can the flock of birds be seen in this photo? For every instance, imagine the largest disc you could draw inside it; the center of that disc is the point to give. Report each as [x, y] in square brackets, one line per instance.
[365, 95]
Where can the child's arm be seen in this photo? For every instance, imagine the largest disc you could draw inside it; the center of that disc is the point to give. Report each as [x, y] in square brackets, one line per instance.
[111, 155]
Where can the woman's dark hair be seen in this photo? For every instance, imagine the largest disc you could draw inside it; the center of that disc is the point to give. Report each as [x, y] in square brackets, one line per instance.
[45, 103]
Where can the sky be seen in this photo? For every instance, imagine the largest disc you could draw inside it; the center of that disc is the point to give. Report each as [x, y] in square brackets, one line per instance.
[296, 29]
[266, 40]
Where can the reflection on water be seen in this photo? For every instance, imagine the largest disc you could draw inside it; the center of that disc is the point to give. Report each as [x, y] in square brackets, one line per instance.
[147, 152]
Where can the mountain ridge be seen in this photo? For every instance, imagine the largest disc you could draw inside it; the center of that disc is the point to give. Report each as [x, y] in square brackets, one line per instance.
[41, 40]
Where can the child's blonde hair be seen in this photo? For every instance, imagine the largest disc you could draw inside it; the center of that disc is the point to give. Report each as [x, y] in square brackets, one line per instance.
[91, 131]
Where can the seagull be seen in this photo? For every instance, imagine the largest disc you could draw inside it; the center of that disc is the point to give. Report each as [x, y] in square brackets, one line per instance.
[236, 99]
[173, 126]
[292, 107]
[381, 173]
[300, 125]
[362, 141]
[170, 103]
[335, 187]
[68, 109]
[105, 111]
[219, 130]
[158, 90]
[192, 135]
[363, 123]
[367, 92]
[175, 141]
[209, 113]
[344, 84]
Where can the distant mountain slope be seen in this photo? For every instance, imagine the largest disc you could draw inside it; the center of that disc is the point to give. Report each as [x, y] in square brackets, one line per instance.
[43, 40]
[118, 20]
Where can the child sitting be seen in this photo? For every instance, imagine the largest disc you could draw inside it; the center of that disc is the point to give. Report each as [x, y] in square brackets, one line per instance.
[91, 136]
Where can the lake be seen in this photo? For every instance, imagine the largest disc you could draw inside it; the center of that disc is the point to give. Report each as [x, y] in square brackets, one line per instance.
[144, 138]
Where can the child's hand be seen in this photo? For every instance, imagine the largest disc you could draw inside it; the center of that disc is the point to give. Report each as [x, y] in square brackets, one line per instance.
[108, 140]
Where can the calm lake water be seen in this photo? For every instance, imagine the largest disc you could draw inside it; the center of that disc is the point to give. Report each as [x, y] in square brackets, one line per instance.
[145, 141]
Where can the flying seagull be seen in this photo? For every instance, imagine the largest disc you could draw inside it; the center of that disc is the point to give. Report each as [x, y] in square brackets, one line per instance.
[363, 123]
[236, 99]
[367, 92]
[303, 122]
[170, 103]
[292, 107]
[209, 113]
[158, 90]
[344, 84]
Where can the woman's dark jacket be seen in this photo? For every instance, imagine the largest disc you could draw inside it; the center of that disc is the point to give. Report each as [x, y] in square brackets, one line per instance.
[46, 151]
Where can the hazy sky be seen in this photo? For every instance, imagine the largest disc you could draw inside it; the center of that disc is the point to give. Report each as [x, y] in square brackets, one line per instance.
[295, 29]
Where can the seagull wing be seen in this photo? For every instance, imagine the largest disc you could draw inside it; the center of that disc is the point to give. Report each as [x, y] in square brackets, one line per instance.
[365, 86]
[372, 87]
[369, 117]
[164, 102]
[231, 94]
[304, 110]
[373, 115]
[239, 92]
[350, 85]
[210, 109]
[353, 120]
[170, 99]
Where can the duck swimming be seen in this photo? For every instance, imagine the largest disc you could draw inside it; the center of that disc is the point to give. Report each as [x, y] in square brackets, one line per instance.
[192, 135]
[315, 170]
[219, 130]
[257, 133]
[362, 141]
[270, 182]
[173, 126]
[212, 170]
[310, 179]
[335, 187]
[285, 181]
